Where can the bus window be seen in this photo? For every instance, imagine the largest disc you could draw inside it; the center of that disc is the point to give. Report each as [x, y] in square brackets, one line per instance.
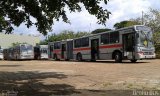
[57, 45]
[114, 37]
[23, 48]
[105, 38]
[44, 51]
[77, 43]
[29, 47]
[1, 51]
[85, 42]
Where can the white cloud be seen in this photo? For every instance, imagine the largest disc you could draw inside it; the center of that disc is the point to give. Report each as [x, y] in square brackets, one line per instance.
[126, 9]
[120, 9]
[83, 21]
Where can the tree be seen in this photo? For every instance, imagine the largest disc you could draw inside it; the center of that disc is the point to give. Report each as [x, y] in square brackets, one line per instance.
[100, 30]
[123, 24]
[17, 43]
[16, 12]
[152, 19]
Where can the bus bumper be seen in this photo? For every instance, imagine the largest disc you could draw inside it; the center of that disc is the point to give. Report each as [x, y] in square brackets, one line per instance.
[140, 56]
[27, 57]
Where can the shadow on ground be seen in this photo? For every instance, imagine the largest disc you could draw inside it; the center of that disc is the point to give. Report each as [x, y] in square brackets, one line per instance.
[28, 83]
[10, 65]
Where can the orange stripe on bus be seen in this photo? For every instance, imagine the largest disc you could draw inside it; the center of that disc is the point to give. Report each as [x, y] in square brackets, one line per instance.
[101, 47]
[56, 51]
[111, 46]
[81, 49]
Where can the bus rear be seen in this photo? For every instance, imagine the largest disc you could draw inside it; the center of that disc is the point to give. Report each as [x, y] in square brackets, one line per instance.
[26, 51]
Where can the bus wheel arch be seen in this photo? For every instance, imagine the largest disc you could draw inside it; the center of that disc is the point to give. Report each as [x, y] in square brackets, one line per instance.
[117, 56]
[79, 56]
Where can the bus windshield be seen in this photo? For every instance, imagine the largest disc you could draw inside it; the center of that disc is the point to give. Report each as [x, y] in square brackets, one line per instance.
[44, 51]
[145, 36]
[1, 51]
[26, 48]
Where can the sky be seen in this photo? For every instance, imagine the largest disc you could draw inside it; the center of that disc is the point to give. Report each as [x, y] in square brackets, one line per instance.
[83, 21]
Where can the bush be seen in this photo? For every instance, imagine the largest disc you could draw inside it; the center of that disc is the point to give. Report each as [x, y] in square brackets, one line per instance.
[158, 55]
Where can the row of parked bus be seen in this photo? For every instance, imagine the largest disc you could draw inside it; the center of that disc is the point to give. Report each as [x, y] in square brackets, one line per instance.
[25, 51]
[131, 43]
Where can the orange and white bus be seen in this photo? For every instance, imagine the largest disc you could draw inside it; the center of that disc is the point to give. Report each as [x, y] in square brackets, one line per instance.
[131, 43]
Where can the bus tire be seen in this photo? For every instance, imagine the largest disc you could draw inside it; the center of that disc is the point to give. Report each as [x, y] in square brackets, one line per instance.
[133, 60]
[79, 57]
[118, 57]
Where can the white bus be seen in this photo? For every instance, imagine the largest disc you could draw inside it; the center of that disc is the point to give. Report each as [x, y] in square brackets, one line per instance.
[41, 52]
[131, 43]
[1, 54]
[19, 52]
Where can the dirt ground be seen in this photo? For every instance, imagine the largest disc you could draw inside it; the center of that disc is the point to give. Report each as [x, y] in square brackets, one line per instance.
[54, 78]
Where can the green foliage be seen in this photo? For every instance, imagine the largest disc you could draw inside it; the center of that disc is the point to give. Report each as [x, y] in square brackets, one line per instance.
[152, 19]
[17, 43]
[100, 31]
[16, 12]
[44, 42]
[158, 51]
[63, 36]
[156, 38]
[125, 24]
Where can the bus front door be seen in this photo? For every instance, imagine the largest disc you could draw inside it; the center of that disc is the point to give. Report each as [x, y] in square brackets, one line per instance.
[63, 51]
[128, 46]
[69, 50]
[94, 49]
[50, 53]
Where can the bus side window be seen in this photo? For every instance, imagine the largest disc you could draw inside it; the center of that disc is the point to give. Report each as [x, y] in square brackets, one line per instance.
[57, 45]
[105, 38]
[114, 37]
[85, 42]
[77, 43]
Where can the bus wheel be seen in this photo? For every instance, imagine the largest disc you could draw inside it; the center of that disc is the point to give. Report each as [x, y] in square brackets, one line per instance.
[133, 60]
[118, 57]
[79, 57]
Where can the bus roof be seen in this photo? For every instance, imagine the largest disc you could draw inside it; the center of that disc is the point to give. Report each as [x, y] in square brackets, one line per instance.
[98, 33]
[109, 31]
